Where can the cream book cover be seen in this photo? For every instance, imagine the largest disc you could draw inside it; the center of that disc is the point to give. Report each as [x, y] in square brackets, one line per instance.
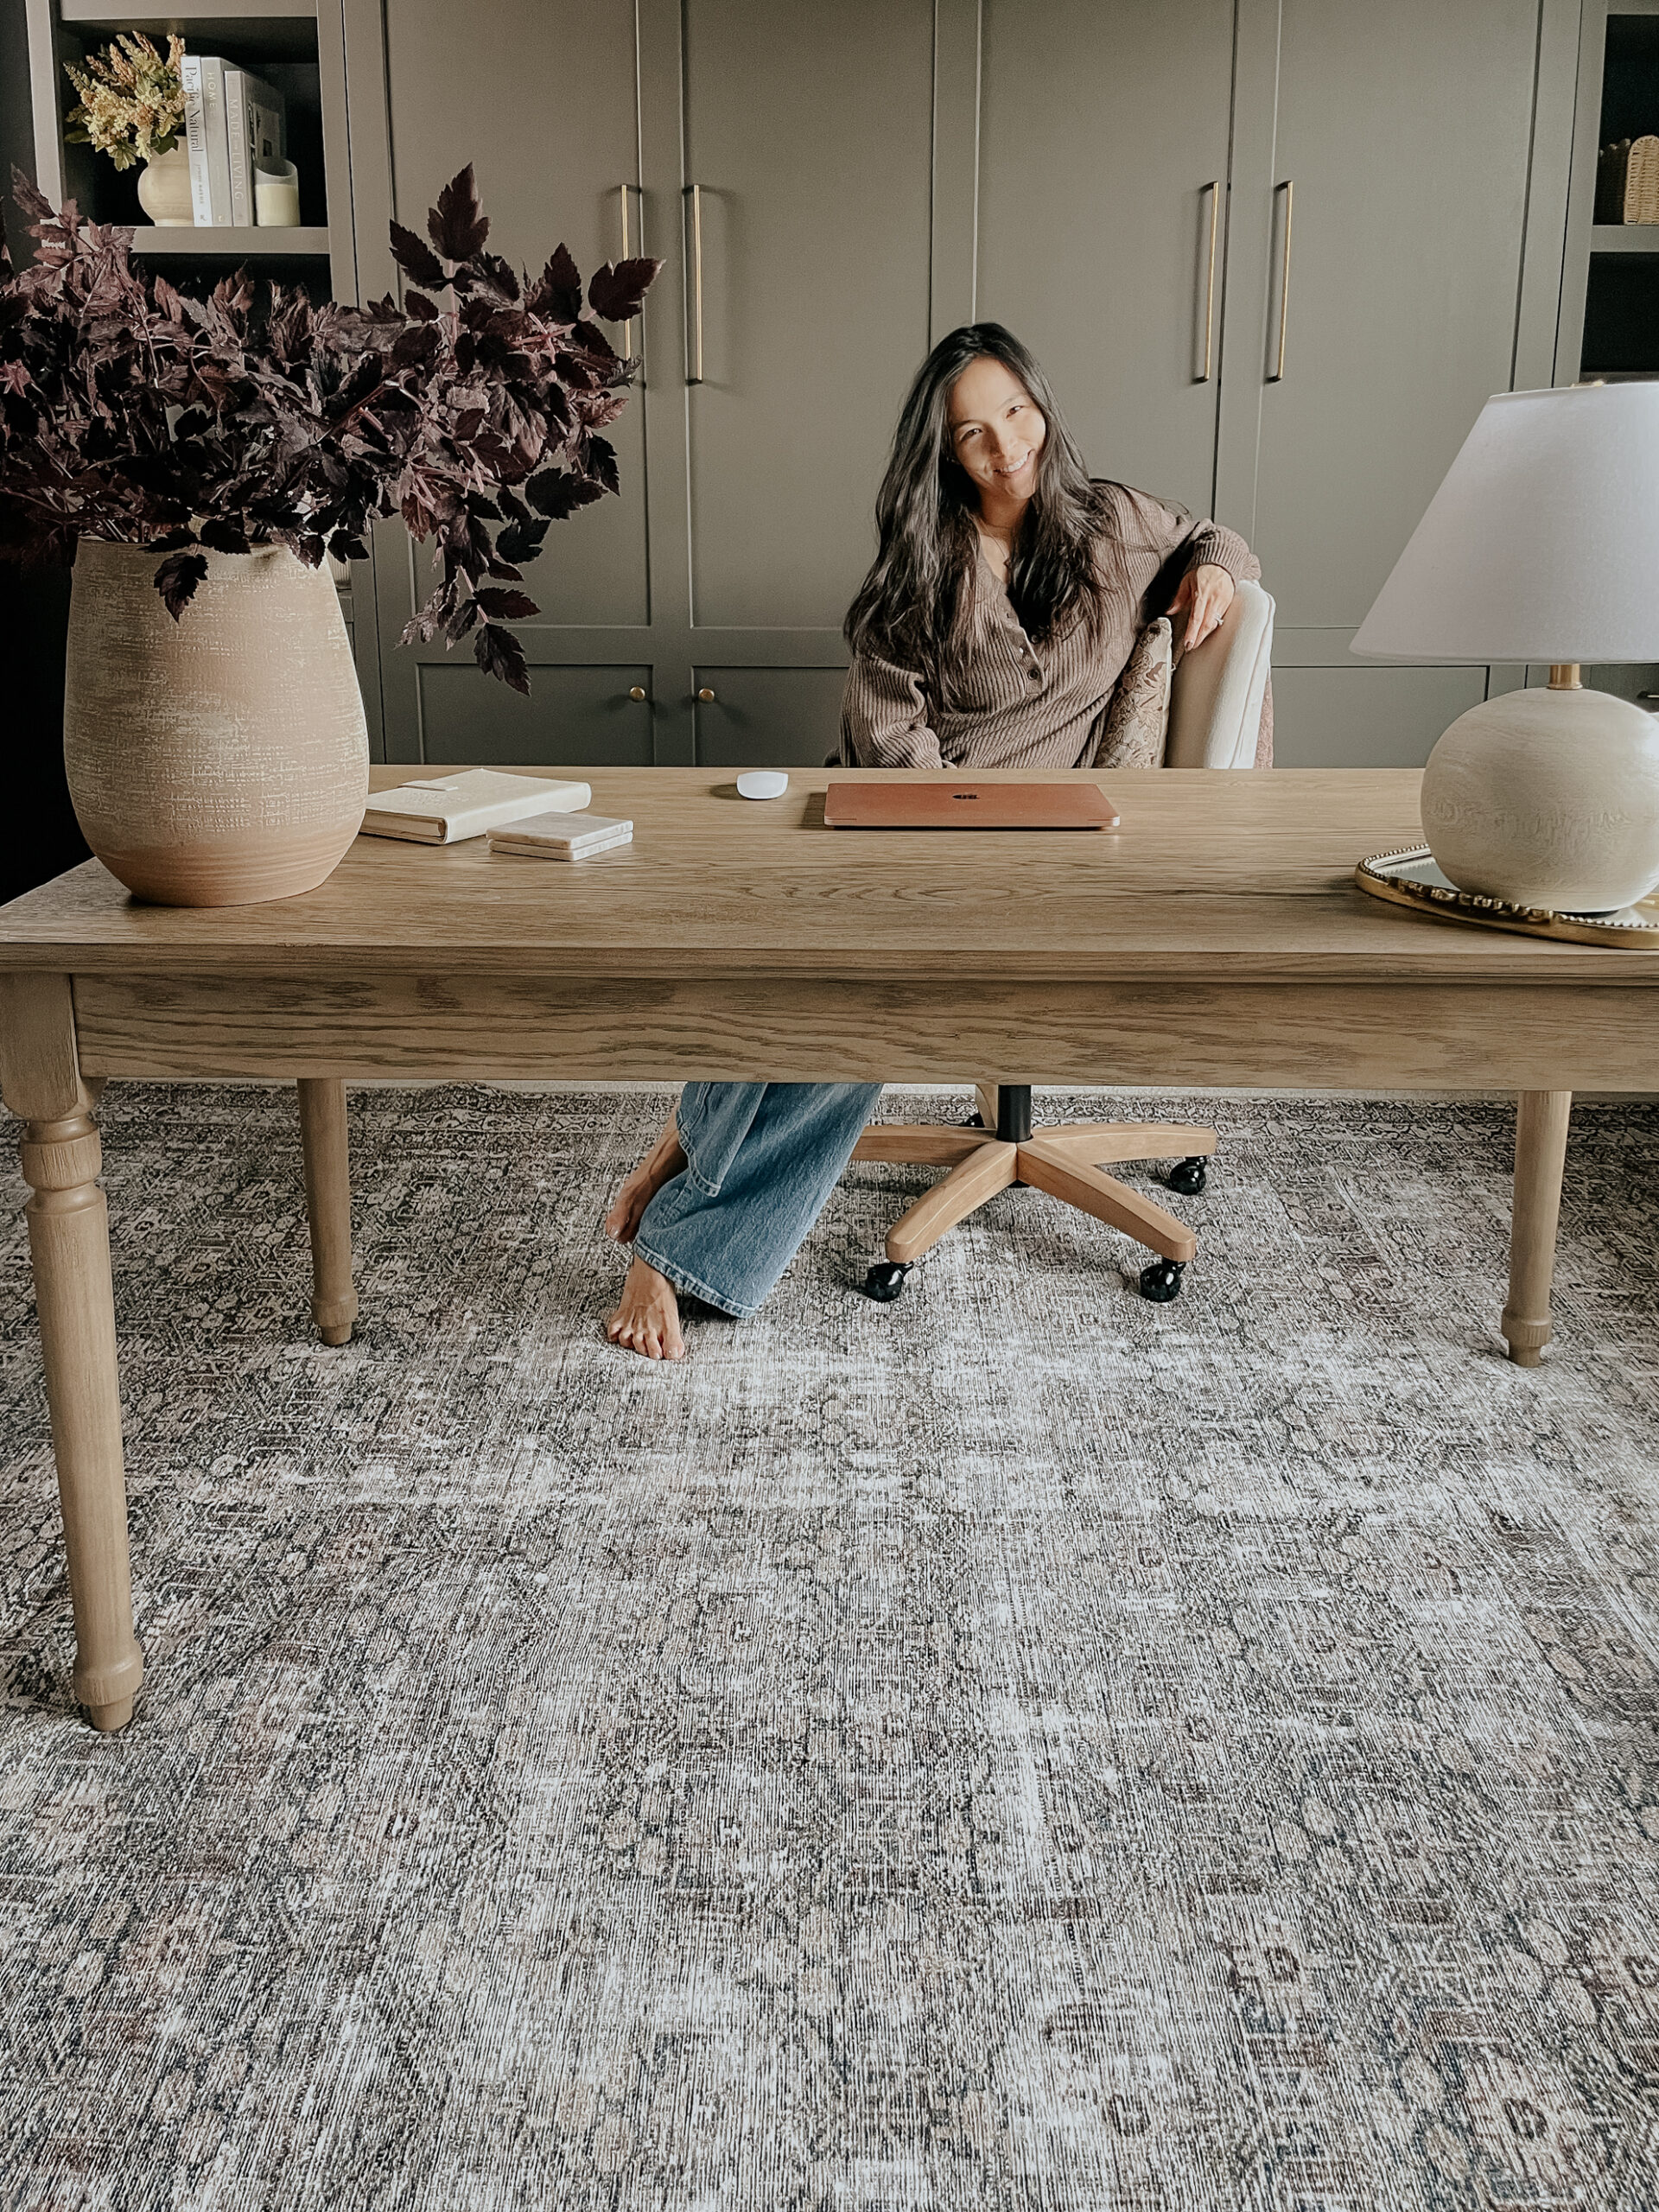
[442, 810]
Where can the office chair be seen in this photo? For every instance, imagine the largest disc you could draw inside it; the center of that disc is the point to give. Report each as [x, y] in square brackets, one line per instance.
[1215, 715]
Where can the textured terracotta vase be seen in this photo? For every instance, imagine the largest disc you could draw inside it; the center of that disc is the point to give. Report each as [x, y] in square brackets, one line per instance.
[223, 758]
[164, 190]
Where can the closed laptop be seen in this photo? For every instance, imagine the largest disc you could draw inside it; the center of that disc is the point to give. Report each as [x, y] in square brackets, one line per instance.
[944, 804]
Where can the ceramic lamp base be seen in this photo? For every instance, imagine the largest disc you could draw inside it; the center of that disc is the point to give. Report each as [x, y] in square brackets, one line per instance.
[1547, 798]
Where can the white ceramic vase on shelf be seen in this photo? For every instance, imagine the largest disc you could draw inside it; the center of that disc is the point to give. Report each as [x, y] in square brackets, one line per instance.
[221, 760]
[164, 190]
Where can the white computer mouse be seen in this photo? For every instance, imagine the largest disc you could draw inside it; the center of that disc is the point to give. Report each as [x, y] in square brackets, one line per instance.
[763, 783]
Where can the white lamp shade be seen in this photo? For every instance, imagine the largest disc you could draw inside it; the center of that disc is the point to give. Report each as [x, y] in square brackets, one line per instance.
[1543, 543]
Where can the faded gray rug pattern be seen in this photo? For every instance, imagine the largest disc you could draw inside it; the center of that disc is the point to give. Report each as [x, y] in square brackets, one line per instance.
[1021, 1747]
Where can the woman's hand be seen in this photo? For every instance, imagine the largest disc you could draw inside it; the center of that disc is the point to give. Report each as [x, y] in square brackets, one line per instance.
[1205, 594]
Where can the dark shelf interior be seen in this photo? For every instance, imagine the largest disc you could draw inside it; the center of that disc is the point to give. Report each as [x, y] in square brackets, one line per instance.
[1621, 315]
[284, 33]
[1621, 307]
[1630, 83]
[197, 276]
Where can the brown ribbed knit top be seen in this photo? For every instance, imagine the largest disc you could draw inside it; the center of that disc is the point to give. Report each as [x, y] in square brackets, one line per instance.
[1016, 704]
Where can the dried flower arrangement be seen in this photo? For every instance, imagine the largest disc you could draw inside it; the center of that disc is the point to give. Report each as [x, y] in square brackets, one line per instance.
[131, 99]
[131, 413]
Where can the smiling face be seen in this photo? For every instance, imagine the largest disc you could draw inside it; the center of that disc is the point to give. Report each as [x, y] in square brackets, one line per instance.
[996, 433]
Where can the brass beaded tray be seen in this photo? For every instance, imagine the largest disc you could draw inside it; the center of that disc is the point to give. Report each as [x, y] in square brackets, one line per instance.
[1411, 879]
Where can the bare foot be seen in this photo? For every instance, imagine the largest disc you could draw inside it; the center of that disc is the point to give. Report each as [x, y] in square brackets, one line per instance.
[648, 1319]
[660, 1165]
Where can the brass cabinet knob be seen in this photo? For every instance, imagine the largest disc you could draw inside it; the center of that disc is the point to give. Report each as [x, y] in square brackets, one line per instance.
[705, 695]
[637, 691]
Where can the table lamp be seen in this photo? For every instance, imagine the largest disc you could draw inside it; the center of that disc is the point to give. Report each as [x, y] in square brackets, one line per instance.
[1541, 545]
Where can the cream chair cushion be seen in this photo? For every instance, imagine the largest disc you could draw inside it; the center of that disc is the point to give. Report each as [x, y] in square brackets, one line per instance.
[1216, 694]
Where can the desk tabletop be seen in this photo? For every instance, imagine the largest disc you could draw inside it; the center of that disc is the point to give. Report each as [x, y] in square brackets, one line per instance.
[1210, 874]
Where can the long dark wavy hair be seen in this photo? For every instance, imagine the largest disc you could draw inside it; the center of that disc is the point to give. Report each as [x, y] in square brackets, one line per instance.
[915, 605]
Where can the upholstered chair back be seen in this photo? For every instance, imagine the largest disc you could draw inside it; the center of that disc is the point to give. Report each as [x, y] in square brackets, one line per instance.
[1216, 693]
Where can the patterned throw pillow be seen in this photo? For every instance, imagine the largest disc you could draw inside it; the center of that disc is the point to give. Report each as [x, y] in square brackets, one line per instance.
[1137, 717]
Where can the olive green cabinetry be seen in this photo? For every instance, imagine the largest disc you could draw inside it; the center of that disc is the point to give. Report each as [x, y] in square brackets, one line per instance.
[1276, 253]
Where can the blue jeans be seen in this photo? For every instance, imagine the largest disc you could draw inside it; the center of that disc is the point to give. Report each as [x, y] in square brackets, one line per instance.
[762, 1161]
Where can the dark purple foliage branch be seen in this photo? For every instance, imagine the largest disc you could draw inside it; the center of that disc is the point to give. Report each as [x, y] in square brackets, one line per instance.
[131, 413]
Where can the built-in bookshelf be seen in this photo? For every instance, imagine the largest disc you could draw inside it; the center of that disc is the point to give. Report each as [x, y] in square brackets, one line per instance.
[1616, 292]
[297, 47]
[1608, 329]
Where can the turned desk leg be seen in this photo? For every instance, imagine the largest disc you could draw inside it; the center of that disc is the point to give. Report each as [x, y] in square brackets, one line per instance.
[69, 1243]
[328, 1203]
[1540, 1120]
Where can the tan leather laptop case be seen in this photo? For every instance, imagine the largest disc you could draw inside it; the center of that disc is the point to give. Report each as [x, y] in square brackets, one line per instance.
[944, 804]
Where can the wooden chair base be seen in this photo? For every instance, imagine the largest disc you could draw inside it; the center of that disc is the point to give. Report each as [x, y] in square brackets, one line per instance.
[1065, 1162]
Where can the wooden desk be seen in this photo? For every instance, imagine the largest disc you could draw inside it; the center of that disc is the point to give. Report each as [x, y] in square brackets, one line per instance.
[1216, 938]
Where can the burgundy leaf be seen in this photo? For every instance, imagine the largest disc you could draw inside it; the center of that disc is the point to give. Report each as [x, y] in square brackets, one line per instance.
[176, 581]
[557, 495]
[461, 622]
[224, 536]
[420, 307]
[499, 653]
[616, 290]
[29, 198]
[560, 288]
[594, 341]
[416, 347]
[457, 226]
[414, 258]
[492, 271]
[600, 457]
[506, 605]
[520, 541]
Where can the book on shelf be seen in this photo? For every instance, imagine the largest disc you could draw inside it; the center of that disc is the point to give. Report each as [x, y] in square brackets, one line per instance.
[256, 129]
[442, 810]
[206, 141]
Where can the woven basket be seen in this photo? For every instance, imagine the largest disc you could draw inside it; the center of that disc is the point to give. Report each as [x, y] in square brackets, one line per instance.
[1642, 182]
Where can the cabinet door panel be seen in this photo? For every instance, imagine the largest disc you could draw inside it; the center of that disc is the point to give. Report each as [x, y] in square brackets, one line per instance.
[573, 715]
[809, 131]
[769, 717]
[1101, 124]
[1367, 717]
[551, 124]
[1405, 130]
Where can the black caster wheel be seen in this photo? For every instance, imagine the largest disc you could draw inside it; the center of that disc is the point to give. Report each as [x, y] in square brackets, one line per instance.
[1189, 1178]
[1161, 1281]
[886, 1279]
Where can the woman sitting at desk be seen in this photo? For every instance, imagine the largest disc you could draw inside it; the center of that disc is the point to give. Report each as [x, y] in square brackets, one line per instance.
[1003, 605]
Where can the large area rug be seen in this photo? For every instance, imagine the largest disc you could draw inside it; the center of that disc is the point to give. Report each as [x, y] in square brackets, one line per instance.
[1022, 1747]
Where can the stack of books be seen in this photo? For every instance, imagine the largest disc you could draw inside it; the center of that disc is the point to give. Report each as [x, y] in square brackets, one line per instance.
[231, 120]
[447, 810]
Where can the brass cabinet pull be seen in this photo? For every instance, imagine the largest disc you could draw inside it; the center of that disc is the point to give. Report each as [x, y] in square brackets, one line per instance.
[1214, 191]
[627, 255]
[706, 696]
[637, 691]
[1289, 191]
[693, 288]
